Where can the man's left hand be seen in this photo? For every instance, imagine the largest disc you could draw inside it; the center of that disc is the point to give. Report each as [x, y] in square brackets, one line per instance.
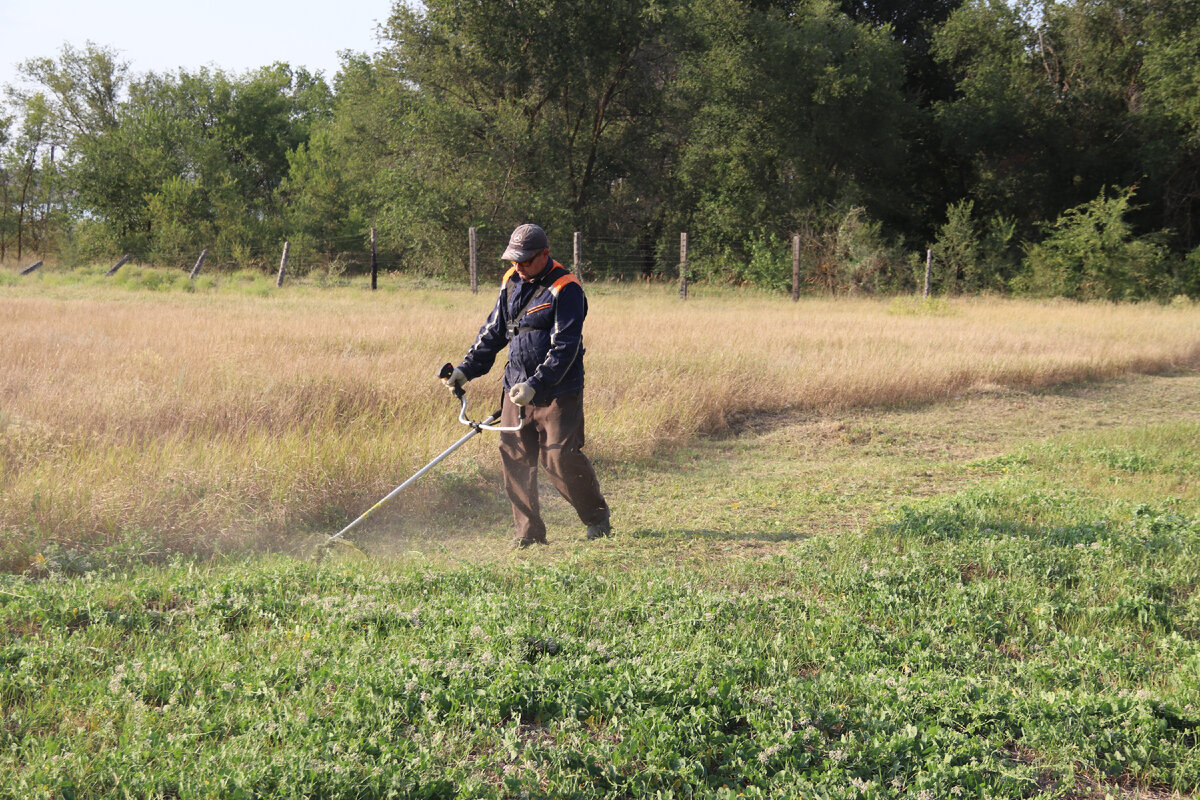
[521, 394]
[456, 380]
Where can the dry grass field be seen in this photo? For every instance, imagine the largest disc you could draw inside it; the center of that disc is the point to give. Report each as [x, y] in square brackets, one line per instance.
[220, 418]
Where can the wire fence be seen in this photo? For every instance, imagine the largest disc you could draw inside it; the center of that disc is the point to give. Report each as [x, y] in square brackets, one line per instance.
[593, 258]
[475, 258]
[597, 259]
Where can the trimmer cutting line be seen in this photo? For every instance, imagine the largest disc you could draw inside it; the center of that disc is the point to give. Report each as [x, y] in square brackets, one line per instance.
[475, 426]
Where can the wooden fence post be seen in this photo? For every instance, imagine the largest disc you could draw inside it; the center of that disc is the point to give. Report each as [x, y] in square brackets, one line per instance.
[795, 267]
[199, 263]
[577, 256]
[282, 265]
[683, 255]
[928, 267]
[374, 262]
[124, 260]
[473, 260]
[31, 267]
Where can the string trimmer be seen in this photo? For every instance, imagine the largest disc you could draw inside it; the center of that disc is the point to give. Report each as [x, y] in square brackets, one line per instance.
[476, 426]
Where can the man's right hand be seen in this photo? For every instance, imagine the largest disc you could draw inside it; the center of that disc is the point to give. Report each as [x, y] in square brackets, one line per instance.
[456, 380]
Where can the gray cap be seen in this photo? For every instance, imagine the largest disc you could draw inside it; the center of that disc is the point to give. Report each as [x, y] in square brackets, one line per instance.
[526, 242]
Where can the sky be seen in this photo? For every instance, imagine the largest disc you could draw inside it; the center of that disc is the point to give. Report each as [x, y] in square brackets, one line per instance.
[168, 35]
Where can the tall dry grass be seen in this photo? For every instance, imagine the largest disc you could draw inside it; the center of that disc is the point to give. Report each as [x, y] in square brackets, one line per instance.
[210, 420]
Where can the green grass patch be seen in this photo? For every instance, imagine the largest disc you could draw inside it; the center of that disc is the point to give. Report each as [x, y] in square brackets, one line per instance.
[1022, 636]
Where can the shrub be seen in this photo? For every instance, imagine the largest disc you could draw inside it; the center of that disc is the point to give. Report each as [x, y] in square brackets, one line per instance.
[770, 263]
[848, 253]
[1090, 253]
[1188, 280]
[956, 250]
[89, 241]
[153, 279]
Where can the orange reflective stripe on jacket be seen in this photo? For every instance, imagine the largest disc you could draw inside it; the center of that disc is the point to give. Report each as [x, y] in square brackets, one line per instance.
[558, 285]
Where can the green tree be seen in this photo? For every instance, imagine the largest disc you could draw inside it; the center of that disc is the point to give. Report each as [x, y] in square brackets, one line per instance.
[367, 161]
[7, 199]
[956, 250]
[197, 160]
[62, 103]
[83, 89]
[973, 255]
[28, 167]
[1172, 94]
[540, 110]
[1003, 144]
[1052, 104]
[794, 109]
[59, 103]
[322, 205]
[912, 24]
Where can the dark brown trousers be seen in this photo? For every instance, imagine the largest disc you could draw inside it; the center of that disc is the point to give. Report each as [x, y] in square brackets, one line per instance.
[552, 434]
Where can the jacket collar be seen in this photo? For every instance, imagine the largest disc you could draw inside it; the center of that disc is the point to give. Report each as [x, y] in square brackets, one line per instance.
[544, 277]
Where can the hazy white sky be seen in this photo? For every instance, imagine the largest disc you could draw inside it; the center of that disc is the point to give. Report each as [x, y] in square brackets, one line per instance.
[167, 34]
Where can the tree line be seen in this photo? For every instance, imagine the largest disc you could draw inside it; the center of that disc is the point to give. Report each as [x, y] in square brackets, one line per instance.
[1034, 146]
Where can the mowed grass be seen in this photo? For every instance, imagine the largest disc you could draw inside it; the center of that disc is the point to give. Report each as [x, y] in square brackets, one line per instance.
[235, 416]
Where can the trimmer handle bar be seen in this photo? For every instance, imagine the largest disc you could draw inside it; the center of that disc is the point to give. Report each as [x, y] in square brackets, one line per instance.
[480, 425]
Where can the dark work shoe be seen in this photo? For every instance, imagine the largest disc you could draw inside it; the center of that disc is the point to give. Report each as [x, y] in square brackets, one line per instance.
[599, 530]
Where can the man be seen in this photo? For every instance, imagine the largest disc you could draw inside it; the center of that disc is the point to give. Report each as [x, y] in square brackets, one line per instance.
[539, 317]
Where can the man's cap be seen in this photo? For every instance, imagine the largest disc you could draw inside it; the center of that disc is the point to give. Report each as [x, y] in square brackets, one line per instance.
[526, 242]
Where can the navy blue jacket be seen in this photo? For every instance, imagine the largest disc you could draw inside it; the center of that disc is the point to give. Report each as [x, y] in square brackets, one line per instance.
[545, 344]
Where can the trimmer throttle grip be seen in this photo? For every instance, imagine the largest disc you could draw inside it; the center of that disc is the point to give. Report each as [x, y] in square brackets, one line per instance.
[444, 374]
